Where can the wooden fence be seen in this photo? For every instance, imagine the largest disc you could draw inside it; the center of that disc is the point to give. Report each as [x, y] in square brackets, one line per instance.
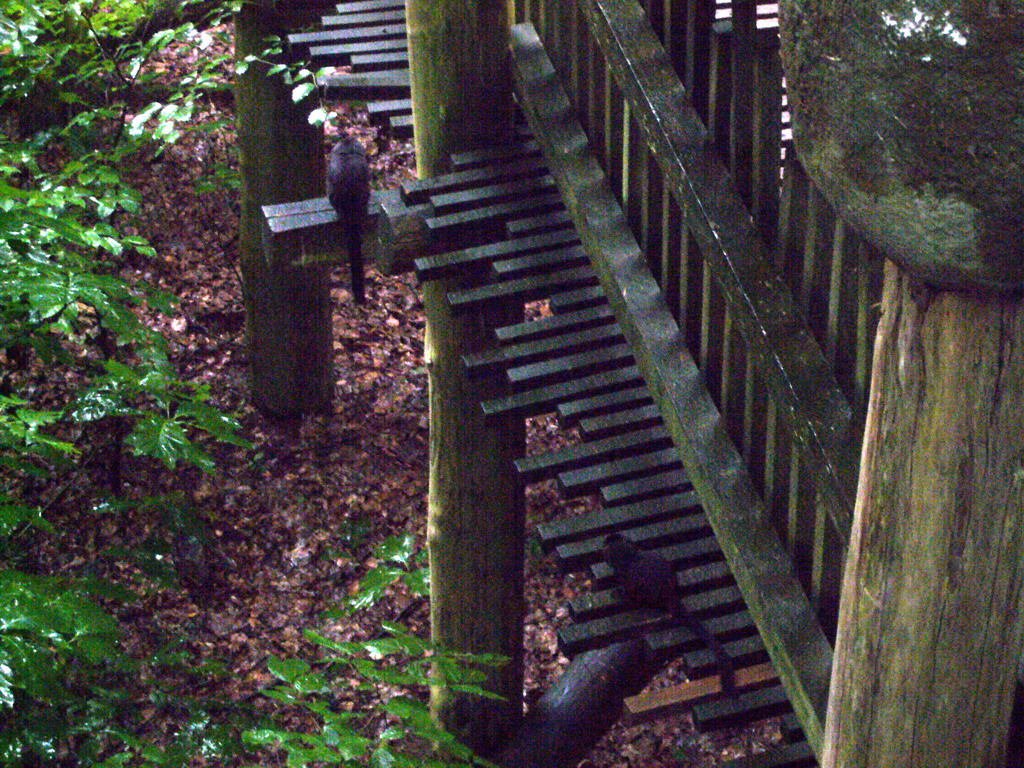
[683, 104]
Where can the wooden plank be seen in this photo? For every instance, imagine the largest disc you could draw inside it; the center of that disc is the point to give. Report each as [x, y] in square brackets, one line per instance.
[784, 615]
[495, 360]
[754, 705]
[571, 301]
[569, 367]
[344, 51]
[798, 755]
[365, 86]
[536, 224]
[479, 258]
[607, 424]
[539, 466]
[339, 36]
[380, 61]
[521, 289]
[614, 518]
[679, 699]
[555, 325]
[544, 261]
[650, 487]
[686, 524]
[366, 19]
[570, 413]
[517, 162]
[590, 479]
[479, 194]
[480, 219]
[538, 400]
[586, 635]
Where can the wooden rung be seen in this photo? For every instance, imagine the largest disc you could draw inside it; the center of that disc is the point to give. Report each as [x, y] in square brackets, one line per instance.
[570, 367]
[539, 466]
[458, 263]
[366, 86]
[342, 36]
[536, 224]
[796, 755]
[344, 51]
[488, 194]
[572, 412]
[540, 400]
[380, 110]
[659, 484]
[747, 650]
[601, 602]
[614, 518]
[624, 420]
[477, 220]
[494, 360]
[570, 301]
[401, 125]
[683, 555]
[752, 705]
[545, 261]
[678, 699]
[366, 19]
[686, 523]
[491, 156]
[557, 325]
[519, 166]
[365, 6]
[580, 636]
[521, 289]
[590, 479]
[380, 62]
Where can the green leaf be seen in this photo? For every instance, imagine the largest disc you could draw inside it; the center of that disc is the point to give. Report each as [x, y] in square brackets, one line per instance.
[287, 669]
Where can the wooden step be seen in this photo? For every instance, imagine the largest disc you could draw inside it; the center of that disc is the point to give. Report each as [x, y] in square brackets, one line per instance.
[545, 399]
[514, 355]
[615, 518]
[586, 454]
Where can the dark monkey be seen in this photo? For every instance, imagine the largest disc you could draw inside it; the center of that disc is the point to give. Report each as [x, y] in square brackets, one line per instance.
[348, 189]
[648, 580]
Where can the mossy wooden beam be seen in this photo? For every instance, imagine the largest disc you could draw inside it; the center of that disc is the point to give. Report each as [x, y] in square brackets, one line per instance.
[785, 352]
[761, 565]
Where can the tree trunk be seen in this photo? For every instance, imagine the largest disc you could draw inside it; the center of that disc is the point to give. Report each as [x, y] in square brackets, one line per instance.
[475, 528]
[930, 624]
[461, 77]
[462, 99]
[288, 311]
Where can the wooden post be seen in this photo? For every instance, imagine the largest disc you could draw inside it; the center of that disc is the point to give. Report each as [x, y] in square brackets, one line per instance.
[462, 99]
[931, 625]
[288, 312]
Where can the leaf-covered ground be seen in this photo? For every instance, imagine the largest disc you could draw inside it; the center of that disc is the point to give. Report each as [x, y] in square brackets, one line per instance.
[292, 522]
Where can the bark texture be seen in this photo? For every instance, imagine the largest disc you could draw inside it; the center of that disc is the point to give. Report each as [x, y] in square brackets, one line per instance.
[288, 310]
[930, 623]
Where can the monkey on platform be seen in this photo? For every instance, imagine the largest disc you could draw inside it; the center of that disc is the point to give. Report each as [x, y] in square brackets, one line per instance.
[647, 580]
[348, 189]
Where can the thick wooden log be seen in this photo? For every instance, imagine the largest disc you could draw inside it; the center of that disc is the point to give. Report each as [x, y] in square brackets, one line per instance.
[931, 627]
[568, 720]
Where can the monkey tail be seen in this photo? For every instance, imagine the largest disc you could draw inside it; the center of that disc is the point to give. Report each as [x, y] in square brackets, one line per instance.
[355, 263]
[725, 667]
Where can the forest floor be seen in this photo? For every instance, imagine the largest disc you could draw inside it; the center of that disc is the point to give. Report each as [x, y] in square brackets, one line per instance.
[293, 520]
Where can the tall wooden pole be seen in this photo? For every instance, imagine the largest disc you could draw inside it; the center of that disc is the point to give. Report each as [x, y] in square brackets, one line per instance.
[288, 311]
[462, 99]
[931, 623]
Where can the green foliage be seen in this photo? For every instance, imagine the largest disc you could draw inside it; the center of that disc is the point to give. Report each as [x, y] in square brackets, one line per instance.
[376, 668]
[71, 78]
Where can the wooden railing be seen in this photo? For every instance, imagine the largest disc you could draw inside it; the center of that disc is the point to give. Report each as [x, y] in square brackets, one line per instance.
[682, 104]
